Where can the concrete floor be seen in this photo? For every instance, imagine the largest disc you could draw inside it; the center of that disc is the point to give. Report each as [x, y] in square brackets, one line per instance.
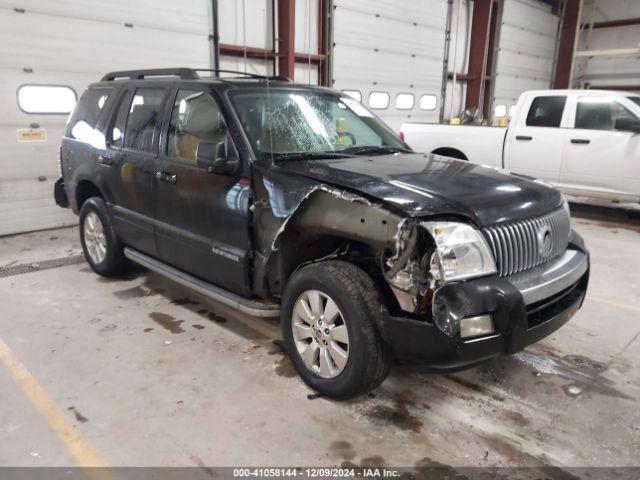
[145, 373]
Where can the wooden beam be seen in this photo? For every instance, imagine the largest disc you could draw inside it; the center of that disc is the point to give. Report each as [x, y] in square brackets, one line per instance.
[286, 38]
[305, 57]
[611, 53]
[250, 52]
[261, 53]
[623, 22]
[568, 32]
[480, 32]
[323, 19]
[623, 88]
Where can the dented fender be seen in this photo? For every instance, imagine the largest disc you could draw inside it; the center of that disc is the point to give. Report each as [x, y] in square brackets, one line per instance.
[314, 219]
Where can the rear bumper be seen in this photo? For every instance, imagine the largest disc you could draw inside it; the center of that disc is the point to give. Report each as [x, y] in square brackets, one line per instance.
[521, 314]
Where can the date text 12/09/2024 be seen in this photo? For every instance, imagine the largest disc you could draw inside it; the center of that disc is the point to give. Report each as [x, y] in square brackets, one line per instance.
[363, 472]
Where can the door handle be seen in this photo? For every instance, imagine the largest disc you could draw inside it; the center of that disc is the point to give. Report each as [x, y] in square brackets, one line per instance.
[524, 137]
[580, 141]
[105, 161]
[167, 177]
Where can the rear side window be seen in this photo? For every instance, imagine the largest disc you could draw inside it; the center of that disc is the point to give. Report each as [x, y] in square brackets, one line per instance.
[83, 122]
[137, 119]
[546, 111]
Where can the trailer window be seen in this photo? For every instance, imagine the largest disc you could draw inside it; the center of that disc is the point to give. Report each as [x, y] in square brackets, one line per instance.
[428, 102]
[500, 111]
[46, 99]
[405, 101]
[355, 94]
[546, 111]
[379, 100]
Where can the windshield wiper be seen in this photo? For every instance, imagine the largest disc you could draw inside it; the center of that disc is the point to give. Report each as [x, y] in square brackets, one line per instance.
[328, 155]
[374, 149]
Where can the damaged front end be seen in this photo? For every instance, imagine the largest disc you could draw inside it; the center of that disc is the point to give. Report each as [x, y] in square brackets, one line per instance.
[308, 222]
[407, 269]
[298, 221]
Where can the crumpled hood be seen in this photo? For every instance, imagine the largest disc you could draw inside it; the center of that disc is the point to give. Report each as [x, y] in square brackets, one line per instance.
[427, 184]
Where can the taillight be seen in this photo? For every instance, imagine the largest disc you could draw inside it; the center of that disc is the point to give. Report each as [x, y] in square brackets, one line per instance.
[401, 135]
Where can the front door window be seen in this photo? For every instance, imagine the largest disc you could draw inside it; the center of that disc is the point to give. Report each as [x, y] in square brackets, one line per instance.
[196, 117]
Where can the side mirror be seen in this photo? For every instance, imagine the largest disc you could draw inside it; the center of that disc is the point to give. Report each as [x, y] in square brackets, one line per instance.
[217, 157]
[628, 125]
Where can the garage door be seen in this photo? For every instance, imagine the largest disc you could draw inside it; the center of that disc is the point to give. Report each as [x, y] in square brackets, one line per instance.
[389, 54]
[81, 41]
[526, 51]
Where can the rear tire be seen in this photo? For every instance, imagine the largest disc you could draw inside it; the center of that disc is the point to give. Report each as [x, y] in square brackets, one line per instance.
[101, 246]
[348, 326]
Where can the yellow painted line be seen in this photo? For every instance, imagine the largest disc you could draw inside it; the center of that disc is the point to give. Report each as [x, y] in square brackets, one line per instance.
[64, 429]
[624, 306]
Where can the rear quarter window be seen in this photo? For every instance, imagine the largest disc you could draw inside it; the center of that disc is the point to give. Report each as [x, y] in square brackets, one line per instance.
[84, 119]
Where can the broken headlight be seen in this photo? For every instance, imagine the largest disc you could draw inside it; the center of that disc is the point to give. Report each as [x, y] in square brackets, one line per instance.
[461, 252]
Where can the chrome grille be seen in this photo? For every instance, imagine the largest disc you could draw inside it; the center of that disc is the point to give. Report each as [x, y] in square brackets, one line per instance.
[516, 246]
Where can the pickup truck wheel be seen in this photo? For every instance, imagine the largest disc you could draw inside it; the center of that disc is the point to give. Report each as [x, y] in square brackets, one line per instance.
[100, 244]
[330, 312]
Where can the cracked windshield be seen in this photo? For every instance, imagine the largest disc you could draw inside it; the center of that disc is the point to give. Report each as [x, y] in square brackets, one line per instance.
[302, 125]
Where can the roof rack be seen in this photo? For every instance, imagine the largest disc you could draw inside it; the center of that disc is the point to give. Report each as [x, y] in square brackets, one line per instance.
[183, 73]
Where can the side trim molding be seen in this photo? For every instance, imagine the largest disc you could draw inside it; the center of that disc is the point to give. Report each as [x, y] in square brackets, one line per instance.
[255, 308]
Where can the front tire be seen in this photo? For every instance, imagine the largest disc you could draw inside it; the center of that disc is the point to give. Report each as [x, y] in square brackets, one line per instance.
[101, 246]
[330, 314]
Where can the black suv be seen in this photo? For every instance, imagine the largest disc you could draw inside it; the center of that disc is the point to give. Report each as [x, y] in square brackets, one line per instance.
[296, 201]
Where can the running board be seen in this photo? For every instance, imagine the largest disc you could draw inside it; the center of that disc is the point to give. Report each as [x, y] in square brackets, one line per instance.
[255, 308]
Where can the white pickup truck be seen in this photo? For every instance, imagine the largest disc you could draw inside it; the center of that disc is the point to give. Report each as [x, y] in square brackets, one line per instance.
[585, 142]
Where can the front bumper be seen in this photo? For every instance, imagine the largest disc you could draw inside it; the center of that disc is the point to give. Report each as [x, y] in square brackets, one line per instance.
[525, 308]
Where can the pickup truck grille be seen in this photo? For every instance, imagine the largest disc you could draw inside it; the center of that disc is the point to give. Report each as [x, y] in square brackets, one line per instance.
[518, 246]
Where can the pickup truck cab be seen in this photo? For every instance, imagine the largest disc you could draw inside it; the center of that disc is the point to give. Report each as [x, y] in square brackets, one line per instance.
[584, 142]
[295, 201]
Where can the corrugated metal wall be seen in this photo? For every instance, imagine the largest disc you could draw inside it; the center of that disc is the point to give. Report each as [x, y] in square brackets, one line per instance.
[391, 46]
[306, 41]
[603, 72]
[525, 51]
[74, 43]
[246, 23]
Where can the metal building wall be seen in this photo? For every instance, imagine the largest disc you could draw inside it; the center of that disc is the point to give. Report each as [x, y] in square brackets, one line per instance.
[246, 23]
[609, 72]
[74, 43]
[525, 51]
[458, 59]
[306, 41]
[392, 46]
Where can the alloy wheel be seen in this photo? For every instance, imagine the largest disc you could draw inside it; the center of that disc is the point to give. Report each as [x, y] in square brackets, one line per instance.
[320, 333]
[94, 238]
